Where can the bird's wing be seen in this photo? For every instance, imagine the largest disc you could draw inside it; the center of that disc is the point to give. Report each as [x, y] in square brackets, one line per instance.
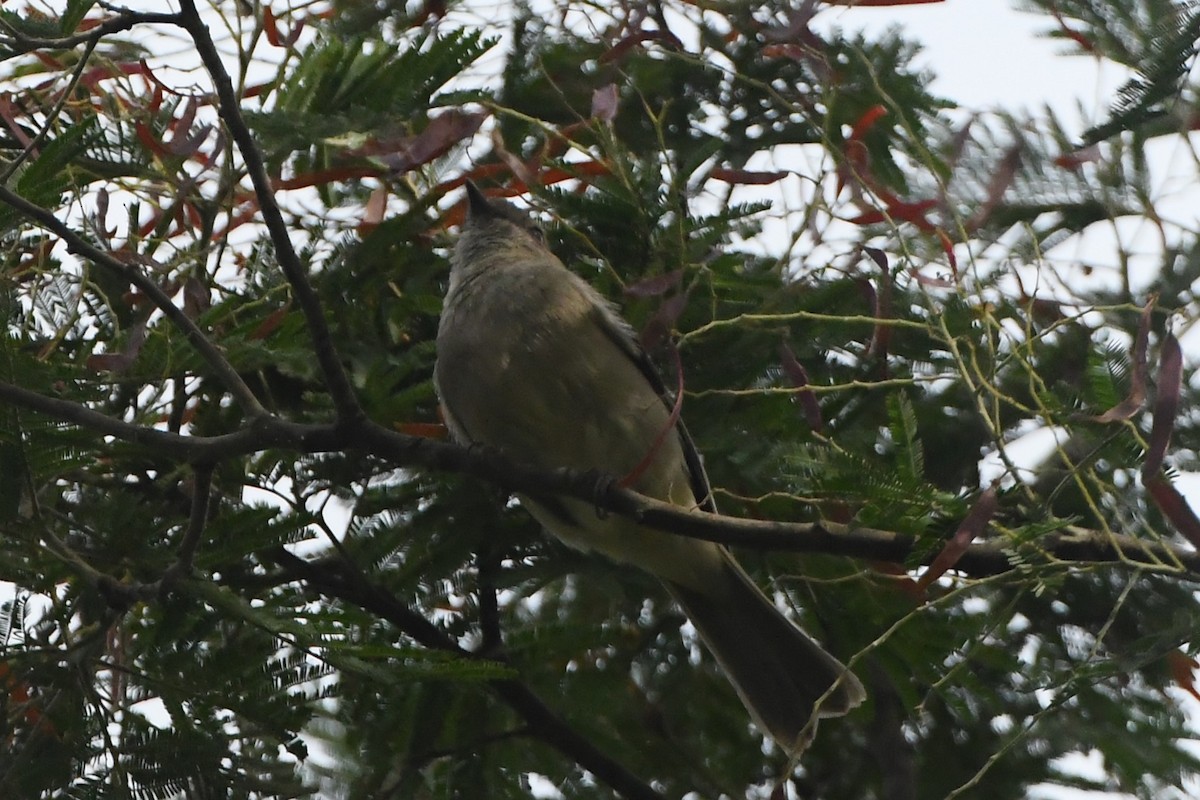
[622, 335]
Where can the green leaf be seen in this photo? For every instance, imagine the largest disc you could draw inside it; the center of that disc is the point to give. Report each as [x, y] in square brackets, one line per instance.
[73, 14]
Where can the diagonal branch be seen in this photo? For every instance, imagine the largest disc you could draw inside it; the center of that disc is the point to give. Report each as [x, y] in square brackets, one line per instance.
[336, 379]
[542, 721]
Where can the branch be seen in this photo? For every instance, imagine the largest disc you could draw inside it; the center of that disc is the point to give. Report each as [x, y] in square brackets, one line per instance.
[1070, 544]
[259, 435]
[20, 43]
[201, 490]
[542, 722]
[338, 382]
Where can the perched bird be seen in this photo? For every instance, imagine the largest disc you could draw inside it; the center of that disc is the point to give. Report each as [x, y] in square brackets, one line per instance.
[533, 361]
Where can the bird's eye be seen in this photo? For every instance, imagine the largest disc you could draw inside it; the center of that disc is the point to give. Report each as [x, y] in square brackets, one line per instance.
[536, 232]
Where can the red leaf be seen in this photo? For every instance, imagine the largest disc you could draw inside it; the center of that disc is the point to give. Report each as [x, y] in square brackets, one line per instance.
[1002, 178]
[658, 328]
[146, 137]
[621, 48]
[872, 216]
[1183, 671]
[925, 280]
[1137, 389]
[196, 299]
[1166, 404]
[798, 377]
[973, 525]
[443, 132]
[915, 212]
[788, 50]
[867, 290]
[119, 362]
[1174, 507]
[244, 213]
[323, 176]
[375, 210]
[867, 121]
[7, 113]
[104, 72]
[655, 286]
[206, 160]
[187, 145]
[878, 256]
[102, 213]
[19, 698]
[1076, 158]
[524, 171]
[553, 175]
[271, 323]
[900, 211]
[271, 29]
[1072, 34]
[746, 176]
[948, 249]
[881, 309]
[796, 24]
[425, 430]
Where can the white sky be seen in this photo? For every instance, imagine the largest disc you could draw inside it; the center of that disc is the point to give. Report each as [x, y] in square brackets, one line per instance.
[987, 55]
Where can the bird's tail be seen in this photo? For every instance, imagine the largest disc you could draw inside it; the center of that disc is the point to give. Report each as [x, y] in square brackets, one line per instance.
[785, 679]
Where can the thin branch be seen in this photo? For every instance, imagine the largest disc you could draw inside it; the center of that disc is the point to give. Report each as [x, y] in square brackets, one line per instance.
[257, 436]
[20, 43]
[201, 490]
[116, 593]
[338, 382]
[120, 595]
[543, 723]
[1068, 544]
[486, 564]
[79, 246]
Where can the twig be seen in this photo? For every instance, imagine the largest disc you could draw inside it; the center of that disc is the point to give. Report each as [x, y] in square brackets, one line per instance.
[201, 489]
[492, 640]
[117, 594]
[338, 382]
[120, 595]
[257, 436]
[20, 43]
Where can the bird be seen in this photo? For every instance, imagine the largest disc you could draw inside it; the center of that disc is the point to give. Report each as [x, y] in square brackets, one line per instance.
[534, 362]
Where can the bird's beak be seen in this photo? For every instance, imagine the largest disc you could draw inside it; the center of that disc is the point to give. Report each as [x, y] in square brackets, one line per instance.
[477, 202]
